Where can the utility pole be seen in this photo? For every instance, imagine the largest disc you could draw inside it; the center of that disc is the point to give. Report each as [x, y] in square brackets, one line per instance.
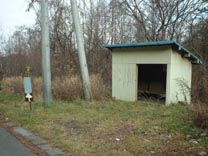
[45, 48]
[81, 51]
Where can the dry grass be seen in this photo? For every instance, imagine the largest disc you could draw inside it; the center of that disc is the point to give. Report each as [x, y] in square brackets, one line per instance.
[37, 88]
[201, 114]
[99, 90]
[12, 85]
[67, 88]
[63, 88]
[70, 88]
[110, 128]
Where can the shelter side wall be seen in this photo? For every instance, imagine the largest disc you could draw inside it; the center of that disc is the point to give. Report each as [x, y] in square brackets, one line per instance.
[147, 55]
[124, 81]
[180, 79]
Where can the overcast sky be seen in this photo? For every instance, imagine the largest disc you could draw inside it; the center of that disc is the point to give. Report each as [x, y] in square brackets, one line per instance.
[13, 13]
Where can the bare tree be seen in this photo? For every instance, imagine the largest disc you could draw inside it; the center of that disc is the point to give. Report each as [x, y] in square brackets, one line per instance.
[197, 42]
[162, 19]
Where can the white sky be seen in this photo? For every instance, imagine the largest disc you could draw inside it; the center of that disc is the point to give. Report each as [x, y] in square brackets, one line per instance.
[13, 13]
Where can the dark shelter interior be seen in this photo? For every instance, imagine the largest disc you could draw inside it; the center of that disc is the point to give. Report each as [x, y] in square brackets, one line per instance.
[152, 82]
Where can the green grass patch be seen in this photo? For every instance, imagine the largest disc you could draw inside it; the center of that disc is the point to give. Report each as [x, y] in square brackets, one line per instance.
[92, 128]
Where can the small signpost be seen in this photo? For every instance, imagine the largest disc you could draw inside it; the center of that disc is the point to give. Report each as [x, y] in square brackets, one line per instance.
[28, 86]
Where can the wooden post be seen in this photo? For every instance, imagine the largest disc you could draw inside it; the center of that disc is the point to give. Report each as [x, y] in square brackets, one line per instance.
[30, 105]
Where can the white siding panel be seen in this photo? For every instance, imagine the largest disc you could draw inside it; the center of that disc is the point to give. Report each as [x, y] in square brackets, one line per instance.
[151, 55]
[181, 71]
[168, 84]
[124, 81]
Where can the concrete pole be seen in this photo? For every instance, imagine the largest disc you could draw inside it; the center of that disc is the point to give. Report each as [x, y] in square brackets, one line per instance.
[81, 51]
[45, 48]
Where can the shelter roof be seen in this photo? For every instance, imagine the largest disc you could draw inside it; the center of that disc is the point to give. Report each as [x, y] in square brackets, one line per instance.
[176, 46]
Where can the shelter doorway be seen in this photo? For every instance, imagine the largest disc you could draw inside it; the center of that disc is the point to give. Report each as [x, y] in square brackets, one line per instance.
[152, 82]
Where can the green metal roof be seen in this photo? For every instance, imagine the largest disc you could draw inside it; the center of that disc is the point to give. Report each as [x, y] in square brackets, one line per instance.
[176, 46]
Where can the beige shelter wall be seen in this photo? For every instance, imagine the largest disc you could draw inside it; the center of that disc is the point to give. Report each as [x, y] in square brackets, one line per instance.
[125, 71]
[146, 55]
[124, 81]
[180, 79]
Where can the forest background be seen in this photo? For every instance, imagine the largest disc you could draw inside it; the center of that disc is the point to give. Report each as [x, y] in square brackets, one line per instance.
[104, 22]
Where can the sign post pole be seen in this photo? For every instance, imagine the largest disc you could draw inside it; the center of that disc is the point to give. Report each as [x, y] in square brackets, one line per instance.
[28, 86]
[30, 105]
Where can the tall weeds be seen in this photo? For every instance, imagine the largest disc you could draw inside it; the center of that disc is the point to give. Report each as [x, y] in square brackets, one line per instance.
[63, 88]
[12, 85]
[70, 88]
[201, 114]
[67, 88]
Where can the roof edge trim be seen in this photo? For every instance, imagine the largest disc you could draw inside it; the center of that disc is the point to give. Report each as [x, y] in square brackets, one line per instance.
[178, 47]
